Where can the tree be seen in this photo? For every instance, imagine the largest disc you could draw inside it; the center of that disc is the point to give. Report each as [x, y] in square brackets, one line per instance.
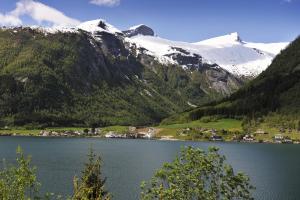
[91, 184]
[197, 175]
[19, 182]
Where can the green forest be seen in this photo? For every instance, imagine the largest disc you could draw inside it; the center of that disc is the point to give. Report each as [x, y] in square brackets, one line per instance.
[71, 79]
[273, 97]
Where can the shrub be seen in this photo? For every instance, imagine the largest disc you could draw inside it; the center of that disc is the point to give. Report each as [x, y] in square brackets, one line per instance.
[197, 174]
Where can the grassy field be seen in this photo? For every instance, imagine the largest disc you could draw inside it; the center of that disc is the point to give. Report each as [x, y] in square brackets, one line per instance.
[117, 129]
[36, 132]
[167, 130]
[226, 124]
[294, 135]
[231, 126]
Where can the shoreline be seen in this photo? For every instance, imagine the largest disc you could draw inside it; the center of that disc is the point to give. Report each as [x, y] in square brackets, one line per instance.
[167, 139]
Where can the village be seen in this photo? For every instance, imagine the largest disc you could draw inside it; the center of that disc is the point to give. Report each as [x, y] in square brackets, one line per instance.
[259, 136]
[193, 134]
[132, 133]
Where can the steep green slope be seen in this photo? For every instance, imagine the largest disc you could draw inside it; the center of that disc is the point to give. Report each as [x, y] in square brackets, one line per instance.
[69, 79]
[276, 90]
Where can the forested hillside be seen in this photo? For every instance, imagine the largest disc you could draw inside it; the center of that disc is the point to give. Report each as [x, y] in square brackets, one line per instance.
[75, 79]
[275, 92]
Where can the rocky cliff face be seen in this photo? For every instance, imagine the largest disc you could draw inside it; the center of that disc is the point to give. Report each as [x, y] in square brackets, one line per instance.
[211, 79]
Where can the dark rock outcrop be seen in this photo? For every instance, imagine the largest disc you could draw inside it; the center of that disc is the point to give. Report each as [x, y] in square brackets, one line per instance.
[139, 30]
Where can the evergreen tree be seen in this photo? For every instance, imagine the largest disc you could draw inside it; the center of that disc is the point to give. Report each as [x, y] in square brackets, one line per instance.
[91, 184]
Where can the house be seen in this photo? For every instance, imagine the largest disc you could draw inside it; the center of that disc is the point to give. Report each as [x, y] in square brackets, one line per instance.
[235, 137]
[282, 130]
[53, 133]
[69, 133]
[98, 131]
[216, 138]
[278, 138]
[248, 138]
[91, 131]
[145, 133]
[45, 133]
[260, 132]
[110, 134]
[132, 129]
[287, 140]
[201, 129]
[185, 131]
[78, 133]
[151, 133]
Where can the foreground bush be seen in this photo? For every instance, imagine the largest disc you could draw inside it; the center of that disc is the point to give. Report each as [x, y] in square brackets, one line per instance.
[18, 182]
[194, 175]
[197, 175]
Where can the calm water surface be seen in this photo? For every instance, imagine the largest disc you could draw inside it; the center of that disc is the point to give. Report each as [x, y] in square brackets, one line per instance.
[273, 169]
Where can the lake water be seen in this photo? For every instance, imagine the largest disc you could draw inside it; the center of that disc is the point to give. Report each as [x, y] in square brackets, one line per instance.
[274, 169]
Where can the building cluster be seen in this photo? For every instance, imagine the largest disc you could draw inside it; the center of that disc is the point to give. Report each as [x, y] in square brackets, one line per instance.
[215, 137]
[69, 133]
[279, 138]
[133, 133]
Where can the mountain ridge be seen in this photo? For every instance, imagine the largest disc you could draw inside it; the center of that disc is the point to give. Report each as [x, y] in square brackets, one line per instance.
[95, 75]
[75, 78]
[230, 52]
[275, 93]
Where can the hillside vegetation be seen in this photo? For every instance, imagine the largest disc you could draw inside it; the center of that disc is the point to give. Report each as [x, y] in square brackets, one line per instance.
[273, 97]
[74, 79]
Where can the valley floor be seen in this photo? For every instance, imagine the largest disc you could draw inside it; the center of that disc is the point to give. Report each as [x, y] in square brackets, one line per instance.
[227, 130]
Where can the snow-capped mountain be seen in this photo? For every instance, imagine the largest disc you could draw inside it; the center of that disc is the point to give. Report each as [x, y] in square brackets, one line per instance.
[93, 27]
[132, 76]
[229, 52]
[98, 25]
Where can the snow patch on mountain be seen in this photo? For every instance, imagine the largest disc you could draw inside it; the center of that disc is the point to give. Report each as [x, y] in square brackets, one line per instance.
[92, 27]
[136, 26]
[222, 41]
[273, 48]
[99, 25]
[229, 52]
[55, 29]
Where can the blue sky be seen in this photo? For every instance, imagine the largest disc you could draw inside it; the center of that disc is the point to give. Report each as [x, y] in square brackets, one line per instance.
[185, 20]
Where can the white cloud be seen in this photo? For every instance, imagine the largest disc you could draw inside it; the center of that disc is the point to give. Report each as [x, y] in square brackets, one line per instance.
[109, 3]
[38, 12]
[10, 20]
[287, 1]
